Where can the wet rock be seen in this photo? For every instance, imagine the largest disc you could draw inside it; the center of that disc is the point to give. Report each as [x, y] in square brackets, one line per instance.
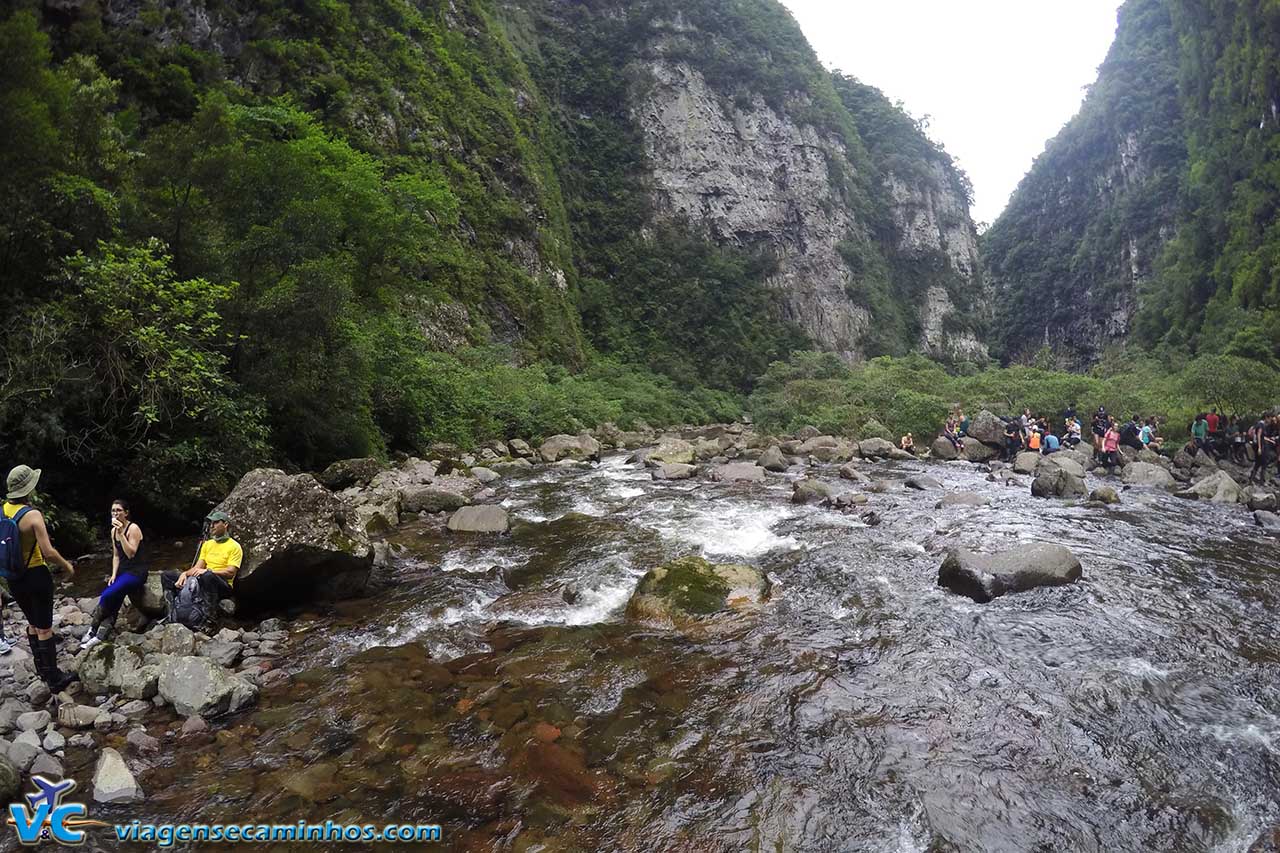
[879, 448]
[1104, 494]
[671, 450]
[1060, 460]
[962, 499]
[581, 448]
[485, 475]
[47, 766]
[296, 542]
[23, 754]
[1026, 462]
[136, 709]
[112, 781]
[983, 577]
[943, 449]
[848, 499]
[518, 464]
[195, 685]
[810, 491]
[53, 741]
[976, 451]
[84, 740]
[739, 472]
[1217, 488]
[480, 519]
[141, 741]
[193, 724]
[349, 472]
[1261, 500]
[773, 460]
[692, 587]
[850, 471]
[674, 471]
[222, 652]
[921, 483]
[1055, 482]
[1267, 520]
[1146, 474]
[870, 519]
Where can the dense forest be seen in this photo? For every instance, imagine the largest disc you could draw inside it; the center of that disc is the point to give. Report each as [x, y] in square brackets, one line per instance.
[1150, 220]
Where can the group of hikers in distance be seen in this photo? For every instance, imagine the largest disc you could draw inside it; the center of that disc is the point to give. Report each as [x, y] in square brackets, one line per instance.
[26, 552]
[1237, 438]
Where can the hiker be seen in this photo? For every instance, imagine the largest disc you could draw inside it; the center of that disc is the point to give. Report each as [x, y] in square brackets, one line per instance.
[1100, 423]
[215, 567]
[1147, 435]
[31, 584]
[1012, 440]
[908, 444]
[1237, 442]
[128, 575]
[1033, 438]
[1213, 421]
[1049, 443]
[1200, 432]
[1073, 429]
[1111, 446]
[1130, 435]
[962, 429]
[949, 430]
[1265, 437]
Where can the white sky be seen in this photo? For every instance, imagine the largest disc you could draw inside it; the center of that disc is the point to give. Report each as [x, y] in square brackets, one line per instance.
[997, 78]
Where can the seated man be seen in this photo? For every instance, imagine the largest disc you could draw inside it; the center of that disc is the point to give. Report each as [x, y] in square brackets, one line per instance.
[215, 567]
[1049, 444]
[907, 443]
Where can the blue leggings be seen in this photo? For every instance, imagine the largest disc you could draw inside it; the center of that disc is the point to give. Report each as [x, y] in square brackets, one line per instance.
[112, 598]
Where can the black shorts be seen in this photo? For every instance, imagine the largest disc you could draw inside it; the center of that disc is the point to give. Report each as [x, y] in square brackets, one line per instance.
[34, 594]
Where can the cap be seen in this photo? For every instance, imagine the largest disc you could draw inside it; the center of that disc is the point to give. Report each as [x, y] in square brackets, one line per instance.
[217, 515]
[21, 482]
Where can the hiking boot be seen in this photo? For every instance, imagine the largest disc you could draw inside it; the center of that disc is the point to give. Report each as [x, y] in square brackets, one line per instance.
[47, 666]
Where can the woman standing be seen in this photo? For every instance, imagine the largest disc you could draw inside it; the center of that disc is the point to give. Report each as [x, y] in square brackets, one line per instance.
[1111, 446]
[128, 575]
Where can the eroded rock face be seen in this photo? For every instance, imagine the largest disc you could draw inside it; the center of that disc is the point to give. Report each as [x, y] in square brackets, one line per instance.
[983, 577]
[296, 539]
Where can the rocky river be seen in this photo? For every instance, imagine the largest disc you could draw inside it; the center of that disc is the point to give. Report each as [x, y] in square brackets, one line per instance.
[494, 684]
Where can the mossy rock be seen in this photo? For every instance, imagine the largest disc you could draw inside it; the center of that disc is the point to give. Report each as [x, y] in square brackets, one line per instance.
[691, 587]
[874, 429]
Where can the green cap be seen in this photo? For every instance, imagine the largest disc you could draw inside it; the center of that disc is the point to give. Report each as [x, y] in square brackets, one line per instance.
[217, 515]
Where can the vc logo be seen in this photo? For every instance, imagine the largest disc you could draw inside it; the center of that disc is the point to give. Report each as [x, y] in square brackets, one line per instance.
[46, 817]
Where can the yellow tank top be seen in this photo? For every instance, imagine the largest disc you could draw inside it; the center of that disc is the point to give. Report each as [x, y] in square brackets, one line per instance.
[37, 559]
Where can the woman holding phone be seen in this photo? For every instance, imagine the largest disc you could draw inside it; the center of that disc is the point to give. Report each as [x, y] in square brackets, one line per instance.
[128, 575]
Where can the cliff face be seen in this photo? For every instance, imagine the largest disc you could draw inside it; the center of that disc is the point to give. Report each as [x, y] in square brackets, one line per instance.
[1070, 257]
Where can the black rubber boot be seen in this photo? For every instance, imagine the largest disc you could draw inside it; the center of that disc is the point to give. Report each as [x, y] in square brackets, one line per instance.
[105, 628]
[52, 676]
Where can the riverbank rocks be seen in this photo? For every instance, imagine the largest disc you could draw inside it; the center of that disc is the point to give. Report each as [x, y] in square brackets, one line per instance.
[675, 451]
[581, 447]
[1146, 474]
[1026, 462]
[1104, 494]
[1267, 520]
[773, 460]
[349, 472]
[943, 449]
[673, 471]
[1260, 499]
[297, 545]
[987, 428]
[976, 451]
[480, 519]
[811, 491]
[921, 483]
[1053, 481]
[691, 587]
[1217, 488]
[197, 685]
[984, 577]
[738, 471]
[1060, 460]
[112, 780]
[849, 471]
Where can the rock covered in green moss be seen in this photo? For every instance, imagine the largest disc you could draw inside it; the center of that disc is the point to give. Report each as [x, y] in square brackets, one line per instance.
[691, 587]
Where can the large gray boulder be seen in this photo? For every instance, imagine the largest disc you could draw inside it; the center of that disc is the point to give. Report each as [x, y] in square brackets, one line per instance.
[738, 471]
[1026, 462]
[424, 498]
[1267, 520]
[1053, 481]
[673, 471]
[811, 491]
[197, 685]
[480, 519]
[773, 460]
[987, 428]
[879, 448]
[349, 472]
[675, 451]
[689, 588]
[1217, 487]
[983, 577]
[1147, 474]
[581, 447]
[112, 781]
[1060, 460]
[976, 451]
[297, 541]
[943, 449]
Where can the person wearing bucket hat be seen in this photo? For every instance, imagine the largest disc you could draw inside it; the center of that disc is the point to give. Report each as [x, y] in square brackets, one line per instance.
[215, 567]
[33, 588]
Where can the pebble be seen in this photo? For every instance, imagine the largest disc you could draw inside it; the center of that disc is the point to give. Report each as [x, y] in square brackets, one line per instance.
[195, 723]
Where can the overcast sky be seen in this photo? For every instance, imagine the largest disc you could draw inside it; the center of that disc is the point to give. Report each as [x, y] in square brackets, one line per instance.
[997, 78]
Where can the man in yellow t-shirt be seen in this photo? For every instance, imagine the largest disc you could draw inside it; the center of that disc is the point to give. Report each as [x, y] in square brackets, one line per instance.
[215, 567]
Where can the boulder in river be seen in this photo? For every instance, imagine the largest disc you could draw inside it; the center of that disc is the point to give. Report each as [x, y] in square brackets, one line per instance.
[976, 451]
[773, 460]
[1146, 474]
[921, 483]
[296, 539]
[431, 499]
[811, 491]
[112, 781]
[943, 449]
[1261, 499]
[1026, 462]
[987, 428]
[480, 519]
[1267, 520]
[1218, 487]
[582, 448]
[1055, 482]
[849, 471]
[671, 450]
[1104, 494]
[748, 471]
[674, 471]
[197, 685]
[878, 448]
[691, 587]
[1060, 460]
[983, 577]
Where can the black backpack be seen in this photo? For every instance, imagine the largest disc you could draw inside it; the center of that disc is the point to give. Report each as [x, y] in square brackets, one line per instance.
[192, 606]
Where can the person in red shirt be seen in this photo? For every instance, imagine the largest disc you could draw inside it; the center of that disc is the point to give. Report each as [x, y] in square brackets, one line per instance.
[1111, 446]
[1212, 418]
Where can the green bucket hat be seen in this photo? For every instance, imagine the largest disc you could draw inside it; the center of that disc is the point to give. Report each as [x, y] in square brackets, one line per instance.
[217, 515]
[22, 482]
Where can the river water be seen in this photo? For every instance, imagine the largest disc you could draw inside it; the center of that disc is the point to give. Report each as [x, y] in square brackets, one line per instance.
[860, 708]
